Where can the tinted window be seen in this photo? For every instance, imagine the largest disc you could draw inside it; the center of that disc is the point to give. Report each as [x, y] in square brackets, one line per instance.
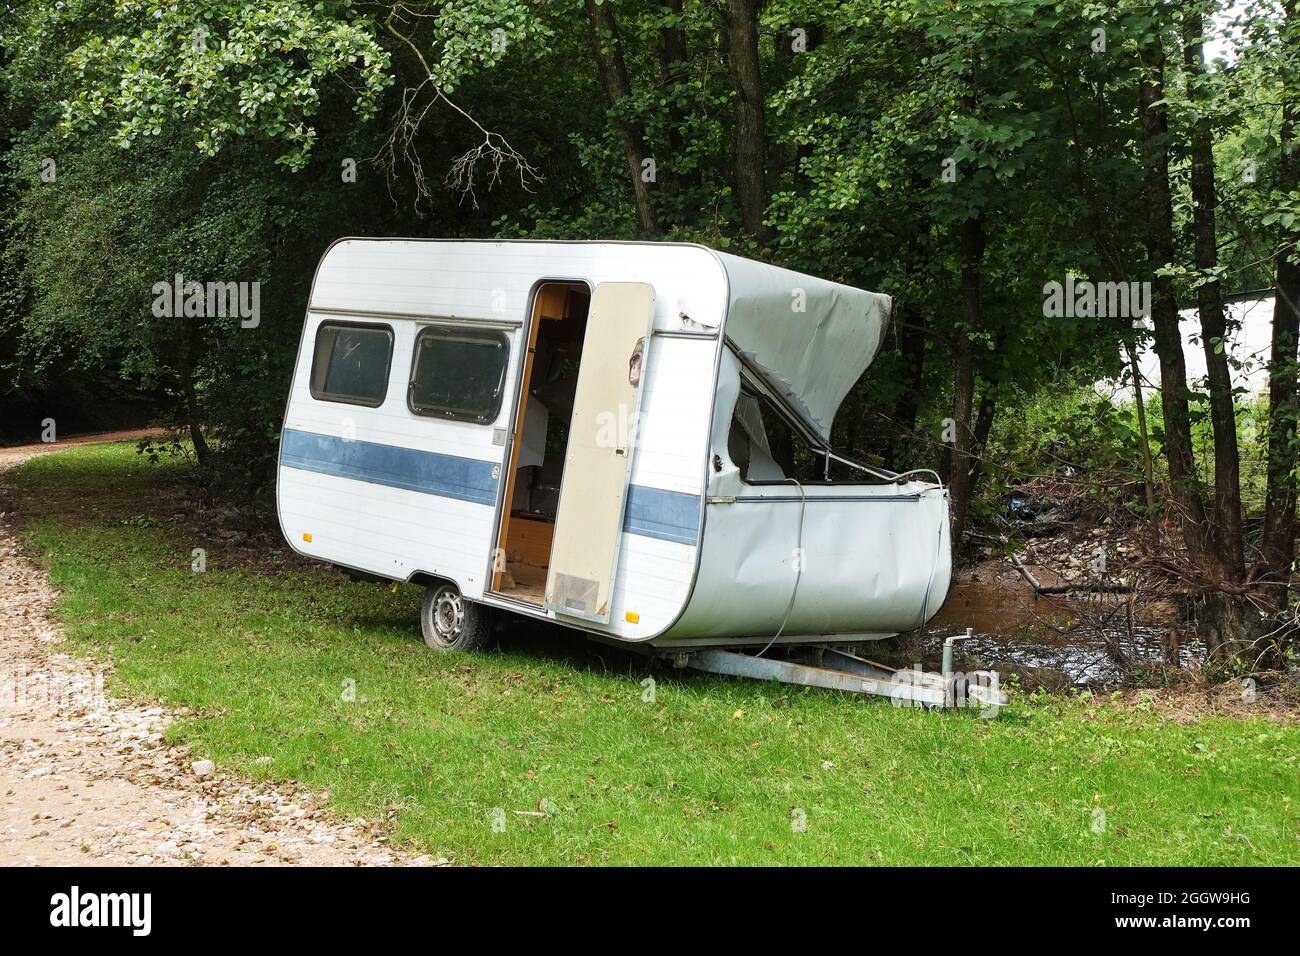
[351, 363]
[458, 373]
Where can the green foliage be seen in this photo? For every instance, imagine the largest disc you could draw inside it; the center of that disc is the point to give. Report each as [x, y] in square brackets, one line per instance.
[218, 69]
[1079, 432]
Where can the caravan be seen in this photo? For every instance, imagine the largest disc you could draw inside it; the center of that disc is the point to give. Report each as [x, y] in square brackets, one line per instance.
[630, 439]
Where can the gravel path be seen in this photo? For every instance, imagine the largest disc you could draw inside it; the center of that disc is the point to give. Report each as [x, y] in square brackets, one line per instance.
[89, 780]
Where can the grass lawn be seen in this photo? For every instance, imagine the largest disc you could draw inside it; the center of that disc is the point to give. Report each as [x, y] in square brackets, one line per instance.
[263, 647]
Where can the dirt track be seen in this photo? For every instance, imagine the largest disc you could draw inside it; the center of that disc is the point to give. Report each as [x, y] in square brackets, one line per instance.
[89, 780]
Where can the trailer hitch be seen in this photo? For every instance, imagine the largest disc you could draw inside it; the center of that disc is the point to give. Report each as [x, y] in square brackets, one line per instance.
[835, 669]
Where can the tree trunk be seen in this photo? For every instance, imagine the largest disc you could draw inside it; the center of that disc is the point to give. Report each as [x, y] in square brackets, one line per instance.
[608, 50]
[193, 413]
[958, 457]
[983, 427]
[1186, 496]
[1277, 551]
[1229, 543]
[1144, 439]
[912, 328]
[912, 351]
[749, 140]
[984, 420]
[672, 71]
[963, 385]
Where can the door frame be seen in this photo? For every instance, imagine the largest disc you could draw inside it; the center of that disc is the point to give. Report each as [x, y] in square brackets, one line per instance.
[507, 473]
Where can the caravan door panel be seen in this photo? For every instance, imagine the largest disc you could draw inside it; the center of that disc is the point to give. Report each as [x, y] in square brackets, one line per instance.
[598, 457]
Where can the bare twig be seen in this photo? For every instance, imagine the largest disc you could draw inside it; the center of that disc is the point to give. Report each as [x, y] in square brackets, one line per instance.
[493, 150]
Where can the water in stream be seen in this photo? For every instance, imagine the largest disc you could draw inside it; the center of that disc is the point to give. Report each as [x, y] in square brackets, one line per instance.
[1076, 638]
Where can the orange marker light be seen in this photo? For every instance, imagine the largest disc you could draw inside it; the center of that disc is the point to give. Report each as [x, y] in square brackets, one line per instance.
[306, 537]
[632, 617]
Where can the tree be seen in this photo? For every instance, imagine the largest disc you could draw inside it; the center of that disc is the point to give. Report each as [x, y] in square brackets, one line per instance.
[749, 145]
[1227, 540]
[1277, 550]
[608, 51]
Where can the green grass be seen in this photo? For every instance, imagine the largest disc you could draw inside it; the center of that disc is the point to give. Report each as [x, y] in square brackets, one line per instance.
[261, 645]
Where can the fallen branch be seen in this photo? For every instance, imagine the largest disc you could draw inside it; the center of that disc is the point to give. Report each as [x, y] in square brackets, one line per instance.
[1079, 587]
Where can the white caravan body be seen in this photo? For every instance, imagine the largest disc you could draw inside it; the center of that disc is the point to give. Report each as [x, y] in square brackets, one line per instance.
[703, 551]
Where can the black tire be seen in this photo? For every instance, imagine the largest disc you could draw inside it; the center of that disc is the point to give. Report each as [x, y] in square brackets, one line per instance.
[451, 623]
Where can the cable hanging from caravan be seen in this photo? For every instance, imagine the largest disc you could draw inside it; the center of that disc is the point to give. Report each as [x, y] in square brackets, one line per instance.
[798, 571]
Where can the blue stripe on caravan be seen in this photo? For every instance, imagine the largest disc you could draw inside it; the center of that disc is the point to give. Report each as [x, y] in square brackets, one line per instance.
[668, 515]
[651, 512]
[467, 479]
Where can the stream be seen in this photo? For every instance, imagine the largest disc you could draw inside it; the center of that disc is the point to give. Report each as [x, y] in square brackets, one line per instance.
[1074, 638]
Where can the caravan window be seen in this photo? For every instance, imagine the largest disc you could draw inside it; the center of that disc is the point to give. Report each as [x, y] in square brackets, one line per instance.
[351, 363]
[765, 447]
[458, 374]
[768, 449]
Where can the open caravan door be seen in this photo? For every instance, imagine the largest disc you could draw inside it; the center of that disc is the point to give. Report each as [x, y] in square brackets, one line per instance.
[598, 458]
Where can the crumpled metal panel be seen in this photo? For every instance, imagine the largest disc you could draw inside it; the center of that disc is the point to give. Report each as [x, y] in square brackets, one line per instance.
[809, 339]
[876, 565]
[871, 560]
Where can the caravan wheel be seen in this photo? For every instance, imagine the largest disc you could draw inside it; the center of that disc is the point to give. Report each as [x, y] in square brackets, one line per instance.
[451, 623]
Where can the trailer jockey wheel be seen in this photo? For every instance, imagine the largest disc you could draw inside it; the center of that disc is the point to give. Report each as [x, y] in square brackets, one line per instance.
[451, 623]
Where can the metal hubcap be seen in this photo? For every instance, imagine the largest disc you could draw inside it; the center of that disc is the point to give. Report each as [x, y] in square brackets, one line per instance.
[448, 616]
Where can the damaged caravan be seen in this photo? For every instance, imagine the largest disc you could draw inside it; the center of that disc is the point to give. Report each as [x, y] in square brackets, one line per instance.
[631, 439]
